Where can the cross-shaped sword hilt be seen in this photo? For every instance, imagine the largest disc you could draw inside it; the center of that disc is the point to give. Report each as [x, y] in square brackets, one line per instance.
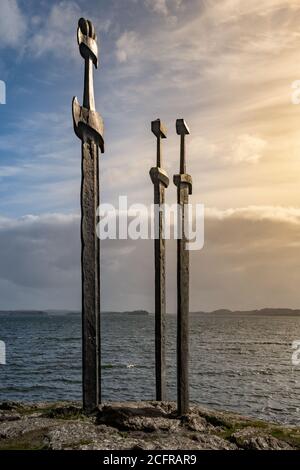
[88, 124]
[182, 130]
[183, 178]
[87, 41]
[160, 132]
[157, 173]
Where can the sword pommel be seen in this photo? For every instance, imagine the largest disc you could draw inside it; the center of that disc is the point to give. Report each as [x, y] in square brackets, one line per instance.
[182, 127]
[158, 129]
[87, 41]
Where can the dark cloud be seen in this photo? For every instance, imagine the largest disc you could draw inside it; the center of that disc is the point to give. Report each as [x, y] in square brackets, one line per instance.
[250, 260]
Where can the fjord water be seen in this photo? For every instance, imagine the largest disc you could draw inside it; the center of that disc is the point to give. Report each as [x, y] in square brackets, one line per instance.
[239, 362]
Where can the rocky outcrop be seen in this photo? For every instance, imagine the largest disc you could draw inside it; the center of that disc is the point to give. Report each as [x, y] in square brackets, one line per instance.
[140, 425]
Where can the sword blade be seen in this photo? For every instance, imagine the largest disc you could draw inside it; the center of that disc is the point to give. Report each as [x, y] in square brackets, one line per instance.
[90, 276]
[160, 296]
[183, 307]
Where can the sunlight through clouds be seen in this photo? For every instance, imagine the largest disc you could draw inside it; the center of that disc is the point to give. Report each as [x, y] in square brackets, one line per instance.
[226, 66]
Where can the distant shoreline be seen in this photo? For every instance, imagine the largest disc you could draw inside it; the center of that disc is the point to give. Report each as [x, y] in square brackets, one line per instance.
[258, 312]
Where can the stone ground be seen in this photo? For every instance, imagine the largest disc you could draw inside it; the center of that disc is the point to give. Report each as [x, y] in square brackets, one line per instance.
[140, 425]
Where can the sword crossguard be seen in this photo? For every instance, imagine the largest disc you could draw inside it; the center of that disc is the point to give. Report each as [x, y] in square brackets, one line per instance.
[184, 179]
[182, 127]
[159, 175]
[158, 129]
[88, 124]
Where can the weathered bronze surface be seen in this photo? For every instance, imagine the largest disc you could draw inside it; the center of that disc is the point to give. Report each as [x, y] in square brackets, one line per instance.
[160, 181]
[183, 182]
[88, 126]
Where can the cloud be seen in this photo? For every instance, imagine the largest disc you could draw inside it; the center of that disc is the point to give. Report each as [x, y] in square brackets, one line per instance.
[13, 24]
[248, 149]
[37, 251]
[288, 215]
[227, 68]
[40, 261]
[6, 171]
[56, 34]
[128, 46]
[163, 7]
[41, 170]
[158, 6]
[249, 261]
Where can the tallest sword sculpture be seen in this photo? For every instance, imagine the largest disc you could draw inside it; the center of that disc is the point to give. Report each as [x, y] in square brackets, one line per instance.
[88, 127]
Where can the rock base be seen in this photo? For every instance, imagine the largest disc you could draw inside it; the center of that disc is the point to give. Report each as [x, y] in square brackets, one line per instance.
[139, 425]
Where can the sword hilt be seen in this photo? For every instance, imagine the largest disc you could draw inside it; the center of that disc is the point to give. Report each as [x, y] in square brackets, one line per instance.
[182, 130]
[157, 173]
[183, 178]
[88, 124]
[87, 41]
[160, 132]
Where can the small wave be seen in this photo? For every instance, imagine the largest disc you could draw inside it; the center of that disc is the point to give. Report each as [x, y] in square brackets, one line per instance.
[224, 343]
[29, 388]
[118, 366]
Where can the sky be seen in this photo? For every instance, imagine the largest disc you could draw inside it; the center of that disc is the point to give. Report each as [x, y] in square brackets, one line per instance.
[228, 68]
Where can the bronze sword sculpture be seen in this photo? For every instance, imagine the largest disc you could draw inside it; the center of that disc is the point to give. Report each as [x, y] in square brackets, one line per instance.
[160, 181]
[183, 182]
[88, 126]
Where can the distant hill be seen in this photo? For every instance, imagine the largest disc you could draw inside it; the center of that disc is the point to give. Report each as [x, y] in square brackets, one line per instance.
[67, 312]
[23, 312]
[262, 312]
[223, 311]
[129, 312]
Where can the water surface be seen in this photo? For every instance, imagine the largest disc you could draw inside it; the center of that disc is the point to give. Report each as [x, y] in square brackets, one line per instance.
[239, 362]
